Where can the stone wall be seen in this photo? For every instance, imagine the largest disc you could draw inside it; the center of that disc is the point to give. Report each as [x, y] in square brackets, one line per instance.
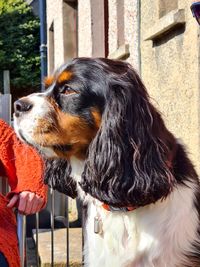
[170, 69]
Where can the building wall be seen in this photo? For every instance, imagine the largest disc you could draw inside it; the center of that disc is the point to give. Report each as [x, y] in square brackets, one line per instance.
[85, 38]
[112, 26]
[170, 70]
[61, 32]
[131, 33]
[84, 29]
[132, 24]
[130, 30]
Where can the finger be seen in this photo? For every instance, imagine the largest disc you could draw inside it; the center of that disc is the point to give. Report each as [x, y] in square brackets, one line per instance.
[29, 203]
[13, 201]
[37, 204]
[23, 198]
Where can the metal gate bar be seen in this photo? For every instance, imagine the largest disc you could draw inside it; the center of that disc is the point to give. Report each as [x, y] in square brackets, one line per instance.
[52, 226]
[37, 229]
[67, 232]
[21, 232]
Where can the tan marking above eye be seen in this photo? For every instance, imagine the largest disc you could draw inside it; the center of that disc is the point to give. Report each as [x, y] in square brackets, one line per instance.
[49, 81]
[64, 76]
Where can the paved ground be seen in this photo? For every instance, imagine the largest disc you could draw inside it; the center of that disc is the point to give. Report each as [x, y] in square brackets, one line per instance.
[60, 248]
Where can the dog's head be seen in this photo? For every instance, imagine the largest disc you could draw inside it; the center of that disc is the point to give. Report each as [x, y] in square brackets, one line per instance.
[98, 110]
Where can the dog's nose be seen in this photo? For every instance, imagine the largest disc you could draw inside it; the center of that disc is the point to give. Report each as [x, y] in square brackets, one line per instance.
[21, 106]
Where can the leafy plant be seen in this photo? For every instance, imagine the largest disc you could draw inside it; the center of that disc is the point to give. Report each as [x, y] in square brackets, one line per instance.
[19, 45]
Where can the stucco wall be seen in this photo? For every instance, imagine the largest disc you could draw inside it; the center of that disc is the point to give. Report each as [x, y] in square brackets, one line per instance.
[131, 23]
[84, 29]
[112, 31]
[170, 70]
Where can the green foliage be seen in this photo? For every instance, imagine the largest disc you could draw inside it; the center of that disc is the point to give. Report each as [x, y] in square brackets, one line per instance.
[19, 44]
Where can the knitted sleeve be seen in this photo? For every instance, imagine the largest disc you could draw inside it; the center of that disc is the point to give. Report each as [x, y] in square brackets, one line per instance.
[22, 165]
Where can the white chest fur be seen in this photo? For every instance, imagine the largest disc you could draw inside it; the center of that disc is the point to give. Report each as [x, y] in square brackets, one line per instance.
[157, 235]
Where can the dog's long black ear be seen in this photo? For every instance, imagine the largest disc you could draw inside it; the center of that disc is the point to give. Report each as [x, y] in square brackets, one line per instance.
[129, 159]
[57, 175]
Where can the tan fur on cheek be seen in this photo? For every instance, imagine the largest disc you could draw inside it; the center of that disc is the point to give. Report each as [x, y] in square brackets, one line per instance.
[76, 132]
[75, 129]
[44, 126]
[60, 128]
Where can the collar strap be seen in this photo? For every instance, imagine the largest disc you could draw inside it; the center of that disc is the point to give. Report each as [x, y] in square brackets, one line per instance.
[111, 208]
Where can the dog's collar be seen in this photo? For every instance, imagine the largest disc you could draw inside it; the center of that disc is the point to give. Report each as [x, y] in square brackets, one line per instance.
[111, 208]
[98, 224]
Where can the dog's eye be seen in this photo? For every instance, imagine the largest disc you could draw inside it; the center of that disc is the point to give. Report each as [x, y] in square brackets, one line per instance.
[66, 90]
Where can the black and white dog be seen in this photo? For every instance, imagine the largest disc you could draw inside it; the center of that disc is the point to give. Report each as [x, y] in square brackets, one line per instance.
[142, 192]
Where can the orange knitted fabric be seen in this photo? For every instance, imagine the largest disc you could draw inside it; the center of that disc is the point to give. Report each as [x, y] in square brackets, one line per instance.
[24, 169]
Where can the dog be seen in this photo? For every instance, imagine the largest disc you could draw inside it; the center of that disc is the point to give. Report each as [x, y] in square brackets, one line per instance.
[116, 154]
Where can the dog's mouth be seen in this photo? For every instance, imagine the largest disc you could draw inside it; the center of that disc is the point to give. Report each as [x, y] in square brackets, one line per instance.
[28, 141]
[22, 137]
[63, 148]
[59, 147]
[49, 151]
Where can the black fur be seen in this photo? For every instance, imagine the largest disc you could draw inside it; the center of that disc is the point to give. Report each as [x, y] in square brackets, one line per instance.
[127, 160]
[57, 176]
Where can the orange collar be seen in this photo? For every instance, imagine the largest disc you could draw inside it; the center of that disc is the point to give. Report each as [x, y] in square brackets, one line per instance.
[111, 208]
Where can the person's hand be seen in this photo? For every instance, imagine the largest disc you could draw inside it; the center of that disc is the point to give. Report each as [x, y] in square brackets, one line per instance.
[28, 202]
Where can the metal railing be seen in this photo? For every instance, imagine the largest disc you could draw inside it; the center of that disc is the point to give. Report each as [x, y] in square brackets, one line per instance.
[21, 232]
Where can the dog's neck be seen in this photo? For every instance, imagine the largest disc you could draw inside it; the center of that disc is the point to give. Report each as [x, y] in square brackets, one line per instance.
[77, 166]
